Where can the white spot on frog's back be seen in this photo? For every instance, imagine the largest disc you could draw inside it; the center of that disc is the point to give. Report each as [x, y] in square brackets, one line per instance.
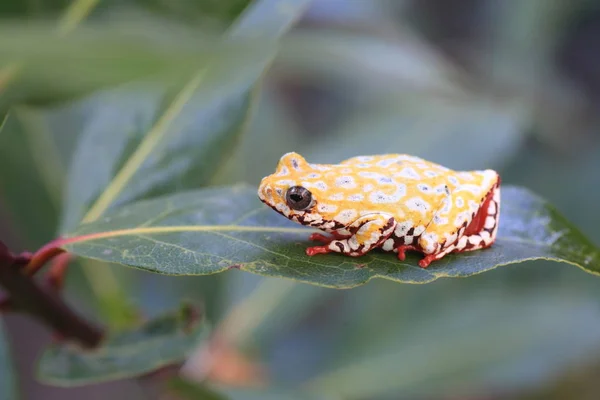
[474, 189]
[345, 182]
[313, 175]
[453, 180]
[286, 183]
[346, 217]
[318, 185]
[460, 202]
[283, 171]
[368, 174]
[358, 197]
[430, 174]
[441, 189]
[367, 188]
[418, 204]
[408, 173]
[380, 197]
[326, 208]
[467, 176]
[320, 167]
[439, 220]
[424, 188]
[387, 162]
[336, 197]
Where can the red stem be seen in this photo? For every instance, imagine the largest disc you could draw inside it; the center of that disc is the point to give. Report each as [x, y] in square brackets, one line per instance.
[43, 255]
[43, 303]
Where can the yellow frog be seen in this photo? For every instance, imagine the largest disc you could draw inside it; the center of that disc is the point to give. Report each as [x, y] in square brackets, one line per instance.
[395, 202]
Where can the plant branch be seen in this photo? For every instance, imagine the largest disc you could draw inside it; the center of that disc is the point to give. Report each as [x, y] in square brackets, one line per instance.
[43, 303]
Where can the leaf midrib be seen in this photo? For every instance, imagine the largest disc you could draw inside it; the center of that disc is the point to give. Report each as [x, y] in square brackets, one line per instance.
[156, 230]
[180, 228]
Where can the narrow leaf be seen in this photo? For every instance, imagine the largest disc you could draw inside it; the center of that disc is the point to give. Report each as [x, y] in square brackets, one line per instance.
[8, 389]
[31, 207]
[139, 143]
[162, 341]
[211, 230]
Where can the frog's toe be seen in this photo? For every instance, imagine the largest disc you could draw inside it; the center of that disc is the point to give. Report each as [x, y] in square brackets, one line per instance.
[311, 251]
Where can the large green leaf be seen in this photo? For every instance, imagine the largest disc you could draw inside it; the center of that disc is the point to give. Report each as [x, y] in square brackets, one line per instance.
[165, 340]
[8, 390]
[212, 230]
[141, 141]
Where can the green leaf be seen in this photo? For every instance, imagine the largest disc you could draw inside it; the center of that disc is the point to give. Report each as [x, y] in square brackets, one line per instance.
[141, 142]
[42, 63]
[193, 391]
[8, 389]
[163, 341]
[31, 196]
[211, 11]
[212, 230]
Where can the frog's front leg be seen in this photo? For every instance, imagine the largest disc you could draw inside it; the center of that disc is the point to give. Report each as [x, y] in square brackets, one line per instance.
[368, 232]
[318, 237]
[462, 227]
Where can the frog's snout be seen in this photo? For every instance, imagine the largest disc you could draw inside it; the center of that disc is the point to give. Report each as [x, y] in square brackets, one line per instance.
[265, 192]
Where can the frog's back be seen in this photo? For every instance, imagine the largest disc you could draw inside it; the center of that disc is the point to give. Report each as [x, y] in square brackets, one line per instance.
[405, 186]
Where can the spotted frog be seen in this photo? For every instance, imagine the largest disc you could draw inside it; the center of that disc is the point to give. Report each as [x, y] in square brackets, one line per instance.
[395, 202]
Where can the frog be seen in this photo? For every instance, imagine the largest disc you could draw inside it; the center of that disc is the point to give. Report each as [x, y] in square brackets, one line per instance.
[393, 202]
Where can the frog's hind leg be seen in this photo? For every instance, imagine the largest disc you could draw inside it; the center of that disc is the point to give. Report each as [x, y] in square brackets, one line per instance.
[477, 232]
[369, 232]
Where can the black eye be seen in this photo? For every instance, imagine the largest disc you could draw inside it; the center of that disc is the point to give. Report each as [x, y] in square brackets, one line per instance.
[298, 198]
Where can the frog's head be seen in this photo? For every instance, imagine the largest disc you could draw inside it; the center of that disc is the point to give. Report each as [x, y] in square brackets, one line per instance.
[294, 190]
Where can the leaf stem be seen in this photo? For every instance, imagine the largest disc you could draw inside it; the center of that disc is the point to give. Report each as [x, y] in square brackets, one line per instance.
[43, 255]
[43, 303]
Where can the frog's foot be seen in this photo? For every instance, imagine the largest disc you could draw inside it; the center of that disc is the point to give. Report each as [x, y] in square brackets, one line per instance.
[425, 261]
[402, 250]
[317, 237]
[312, 251]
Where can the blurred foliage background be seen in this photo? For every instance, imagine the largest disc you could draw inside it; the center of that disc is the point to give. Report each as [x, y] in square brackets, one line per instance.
[506, 84]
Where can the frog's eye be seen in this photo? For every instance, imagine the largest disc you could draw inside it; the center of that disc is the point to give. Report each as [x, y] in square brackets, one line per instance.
[298, 198]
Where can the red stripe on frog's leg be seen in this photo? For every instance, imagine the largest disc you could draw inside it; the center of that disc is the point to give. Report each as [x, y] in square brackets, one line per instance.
[327, 239]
